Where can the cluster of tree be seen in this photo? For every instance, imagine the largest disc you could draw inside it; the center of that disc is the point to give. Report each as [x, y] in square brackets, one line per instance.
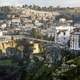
[38, 70]
[35, 69]
[36, 33]
[50, 8]
[5, 9]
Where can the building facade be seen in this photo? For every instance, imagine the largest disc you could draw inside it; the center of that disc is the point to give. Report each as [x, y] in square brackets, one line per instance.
[75, 39]
[62, 35]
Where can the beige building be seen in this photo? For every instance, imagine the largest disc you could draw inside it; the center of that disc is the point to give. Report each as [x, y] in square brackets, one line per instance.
[36, 48]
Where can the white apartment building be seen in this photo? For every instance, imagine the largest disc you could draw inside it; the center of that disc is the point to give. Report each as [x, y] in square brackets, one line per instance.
[62, 35]
[75, 39]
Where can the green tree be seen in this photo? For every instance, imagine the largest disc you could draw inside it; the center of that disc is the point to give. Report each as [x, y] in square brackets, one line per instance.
[36, 33]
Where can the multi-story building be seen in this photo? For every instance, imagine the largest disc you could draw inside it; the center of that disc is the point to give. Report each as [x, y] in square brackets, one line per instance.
[16, 22]
[75, 39]
[63, 31]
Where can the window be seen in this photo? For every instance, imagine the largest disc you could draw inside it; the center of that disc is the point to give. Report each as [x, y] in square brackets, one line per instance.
[64, 33]
[79, 41]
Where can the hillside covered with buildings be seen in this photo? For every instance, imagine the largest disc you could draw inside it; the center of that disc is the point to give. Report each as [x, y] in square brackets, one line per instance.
[39, 43]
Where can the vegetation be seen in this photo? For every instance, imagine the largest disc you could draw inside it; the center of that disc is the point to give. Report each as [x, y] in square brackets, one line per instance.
[6, 62]
[35, 69]
[58, 8]
[36, 33]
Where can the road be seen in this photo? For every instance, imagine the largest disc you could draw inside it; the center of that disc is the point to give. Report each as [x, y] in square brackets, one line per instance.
[17, 37]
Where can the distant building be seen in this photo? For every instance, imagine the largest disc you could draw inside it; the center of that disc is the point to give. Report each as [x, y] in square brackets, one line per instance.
[1, 33]
[49, 32]
[75, 39]
[26, 20]
[3, 25]
[62, 20]
[37, 23]
[16, 22]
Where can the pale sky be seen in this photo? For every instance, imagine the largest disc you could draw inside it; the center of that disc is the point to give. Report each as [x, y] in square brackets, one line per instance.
[66, 3]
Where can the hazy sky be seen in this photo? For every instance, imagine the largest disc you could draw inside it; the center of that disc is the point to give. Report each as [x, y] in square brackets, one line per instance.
[71, 3]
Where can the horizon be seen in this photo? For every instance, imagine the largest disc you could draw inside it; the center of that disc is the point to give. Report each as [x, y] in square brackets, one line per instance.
[41, 3]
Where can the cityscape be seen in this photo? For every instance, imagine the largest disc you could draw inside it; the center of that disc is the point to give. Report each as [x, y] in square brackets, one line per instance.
[39, 42]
